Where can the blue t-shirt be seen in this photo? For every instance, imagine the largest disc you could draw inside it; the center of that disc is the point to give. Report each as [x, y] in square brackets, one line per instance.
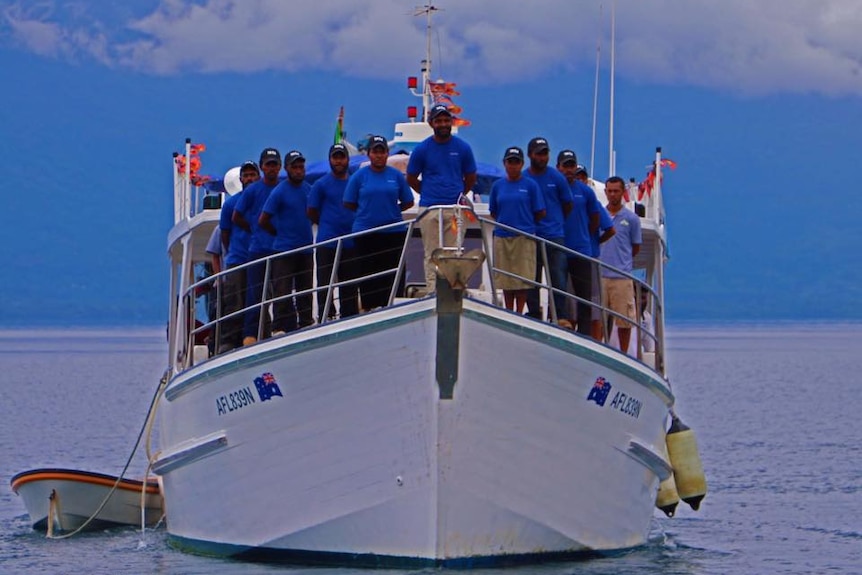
[376, 195]
[287, 205]
[577, 224]
[515, 204]
[617, 251]
[327, 197]
[249, 206]
[443, 167]
[605, 222]
[237, 248]
[556, 191]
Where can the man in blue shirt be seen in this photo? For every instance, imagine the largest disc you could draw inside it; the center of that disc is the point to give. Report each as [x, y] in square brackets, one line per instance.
[284, 216]
[517, 202]
[233, 244]
[378, 193]
[600, 236]
[326, 209]
[558, 204]
[448, 170]
[617, 290]
[246, 214]
[581, 223]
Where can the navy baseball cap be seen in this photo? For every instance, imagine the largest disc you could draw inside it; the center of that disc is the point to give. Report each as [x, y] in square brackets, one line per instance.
[376, 142]
[513, 152]
[438, 109]
[269, 155]
[566, 157]
[292, 157]
[537, 145]
[581, 170]
[248, 165]
[338, 149]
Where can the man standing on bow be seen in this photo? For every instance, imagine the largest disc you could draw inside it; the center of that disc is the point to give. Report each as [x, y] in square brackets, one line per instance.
[448, 170]
[558, 203]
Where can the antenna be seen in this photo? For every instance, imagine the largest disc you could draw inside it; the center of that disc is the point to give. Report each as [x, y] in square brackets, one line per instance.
[596, 95]
[612, 168]
[427, 10]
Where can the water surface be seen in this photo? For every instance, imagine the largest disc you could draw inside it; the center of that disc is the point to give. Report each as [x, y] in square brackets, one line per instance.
[776, 409]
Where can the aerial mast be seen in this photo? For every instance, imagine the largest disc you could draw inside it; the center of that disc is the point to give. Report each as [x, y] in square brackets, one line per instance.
[612, 161]
[427, 10]
[596, 97]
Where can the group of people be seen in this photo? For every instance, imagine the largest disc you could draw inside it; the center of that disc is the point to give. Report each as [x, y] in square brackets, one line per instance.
[269, 217]
[558, 206]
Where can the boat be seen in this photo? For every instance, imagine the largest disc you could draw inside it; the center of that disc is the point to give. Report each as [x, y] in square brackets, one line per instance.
[440, 430]
[67, 500]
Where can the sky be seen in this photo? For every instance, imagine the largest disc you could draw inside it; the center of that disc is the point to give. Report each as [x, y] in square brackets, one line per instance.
[758, 103]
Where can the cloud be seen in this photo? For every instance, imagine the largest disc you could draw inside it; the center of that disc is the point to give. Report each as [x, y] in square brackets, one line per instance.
[762, 47]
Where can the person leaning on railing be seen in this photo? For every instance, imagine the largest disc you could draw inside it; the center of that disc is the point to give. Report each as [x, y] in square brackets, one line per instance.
[517, 202]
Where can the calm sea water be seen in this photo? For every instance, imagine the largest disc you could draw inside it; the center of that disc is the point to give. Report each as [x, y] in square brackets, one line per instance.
[777, 410]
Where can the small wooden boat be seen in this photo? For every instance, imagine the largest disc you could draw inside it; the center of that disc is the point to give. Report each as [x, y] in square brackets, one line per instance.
[64, 499]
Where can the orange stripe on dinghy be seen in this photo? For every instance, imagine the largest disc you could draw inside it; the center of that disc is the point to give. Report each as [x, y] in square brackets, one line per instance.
[83, 477]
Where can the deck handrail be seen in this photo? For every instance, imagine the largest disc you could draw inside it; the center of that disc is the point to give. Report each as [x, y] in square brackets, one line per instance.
[484, 224]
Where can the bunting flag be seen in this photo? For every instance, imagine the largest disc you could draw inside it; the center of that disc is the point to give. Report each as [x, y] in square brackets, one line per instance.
[194, 163]
[454, 109]
[444, 88]
[646, 187]
[441, 93]
[339, 127]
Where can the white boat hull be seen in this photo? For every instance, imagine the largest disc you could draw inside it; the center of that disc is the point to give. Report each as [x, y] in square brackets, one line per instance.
[68, 498]
[361, 459]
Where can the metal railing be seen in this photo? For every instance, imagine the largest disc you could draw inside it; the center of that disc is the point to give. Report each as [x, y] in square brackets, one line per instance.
[467, 224]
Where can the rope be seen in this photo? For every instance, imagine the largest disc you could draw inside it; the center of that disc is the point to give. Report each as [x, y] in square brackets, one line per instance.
[147, 424]
[151, 417]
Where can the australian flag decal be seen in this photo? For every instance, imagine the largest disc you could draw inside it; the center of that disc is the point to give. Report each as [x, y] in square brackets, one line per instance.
[267, 387]
[599, 392]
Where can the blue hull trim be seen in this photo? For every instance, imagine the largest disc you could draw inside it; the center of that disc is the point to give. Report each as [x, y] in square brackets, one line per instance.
[369, 560]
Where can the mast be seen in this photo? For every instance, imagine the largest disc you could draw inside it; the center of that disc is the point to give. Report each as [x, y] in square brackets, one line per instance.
[612, 160]
[596, 97]
[427, 10]
[661, 250]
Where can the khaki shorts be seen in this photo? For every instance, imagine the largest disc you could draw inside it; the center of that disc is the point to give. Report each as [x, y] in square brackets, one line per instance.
[618, 294]
[517, 256]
